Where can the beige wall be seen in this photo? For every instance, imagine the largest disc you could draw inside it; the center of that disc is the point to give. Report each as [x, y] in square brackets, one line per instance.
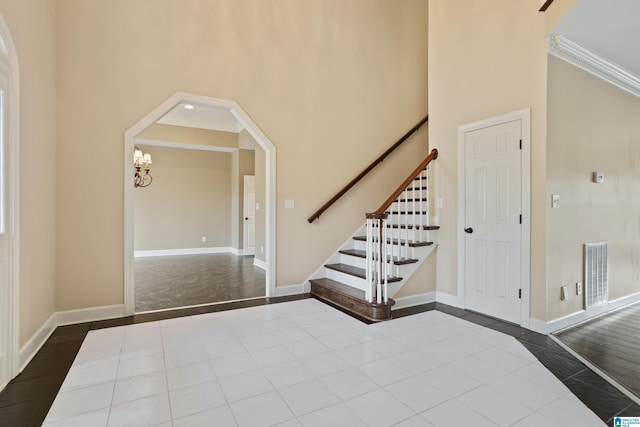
[331, 83]
[190, 197]
[31, 23]
[423, 280]
[196, 136]
[592, 126]
[486, 61]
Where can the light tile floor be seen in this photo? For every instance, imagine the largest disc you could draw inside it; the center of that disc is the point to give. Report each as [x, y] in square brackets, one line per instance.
[303, 363]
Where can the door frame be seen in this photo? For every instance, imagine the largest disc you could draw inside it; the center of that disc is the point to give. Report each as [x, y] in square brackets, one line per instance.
[270, 187]
[524, 116]
[11, 304]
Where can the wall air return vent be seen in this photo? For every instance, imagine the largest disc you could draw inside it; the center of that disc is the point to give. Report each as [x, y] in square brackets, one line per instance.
[596, 274]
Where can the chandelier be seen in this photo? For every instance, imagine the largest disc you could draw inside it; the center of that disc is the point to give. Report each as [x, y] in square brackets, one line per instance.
[141, 179]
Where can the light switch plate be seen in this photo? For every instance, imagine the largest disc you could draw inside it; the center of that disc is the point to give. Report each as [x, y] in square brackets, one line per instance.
[555, 200]
[564, 294]
[289, 203]
[598, 177]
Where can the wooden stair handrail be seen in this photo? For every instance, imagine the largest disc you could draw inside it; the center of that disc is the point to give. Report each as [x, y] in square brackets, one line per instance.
[381, 211]
[362, 174]
[545, 5]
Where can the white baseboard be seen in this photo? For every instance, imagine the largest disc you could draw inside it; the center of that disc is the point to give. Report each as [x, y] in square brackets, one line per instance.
[414, 300]
[242, 252]
[93, 314]
[61, 318]
[538, 326]
[448, 299]
[34, 344]
[186, 251]
[582, 316]
[283, 291]
[261, 264]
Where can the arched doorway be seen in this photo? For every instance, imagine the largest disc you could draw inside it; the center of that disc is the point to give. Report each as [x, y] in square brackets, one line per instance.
[270, 179]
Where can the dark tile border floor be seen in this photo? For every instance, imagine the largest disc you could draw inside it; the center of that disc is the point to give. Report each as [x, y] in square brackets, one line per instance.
[26, 400]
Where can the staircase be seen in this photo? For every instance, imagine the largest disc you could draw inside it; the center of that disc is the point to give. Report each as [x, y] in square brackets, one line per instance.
[369, 269]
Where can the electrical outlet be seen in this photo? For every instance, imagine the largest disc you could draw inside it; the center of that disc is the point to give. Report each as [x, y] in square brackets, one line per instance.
[564, 294]
[261, 249]
[439, 203]
[204, 239]
[578, 288]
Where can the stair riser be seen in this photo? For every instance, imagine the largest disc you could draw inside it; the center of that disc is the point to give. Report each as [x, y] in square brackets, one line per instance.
[391, 249]
[362, 262]
[413, 235]
[347, 279]
[353, 260]
[410, 206]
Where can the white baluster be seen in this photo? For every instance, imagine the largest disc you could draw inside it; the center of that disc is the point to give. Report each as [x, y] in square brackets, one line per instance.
[428, 210]
[367, 263]
[386, 265]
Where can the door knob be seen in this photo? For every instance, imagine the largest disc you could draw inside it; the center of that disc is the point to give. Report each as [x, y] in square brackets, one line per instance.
[246, 219]
[468, 230]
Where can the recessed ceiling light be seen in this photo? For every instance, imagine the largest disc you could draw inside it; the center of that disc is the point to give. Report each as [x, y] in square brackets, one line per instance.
[188, 106]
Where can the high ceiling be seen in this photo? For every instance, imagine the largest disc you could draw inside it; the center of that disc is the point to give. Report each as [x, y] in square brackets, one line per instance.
[203, 117]
[609, 28]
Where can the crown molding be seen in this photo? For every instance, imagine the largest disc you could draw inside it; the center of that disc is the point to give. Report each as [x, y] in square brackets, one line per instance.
[581, 57]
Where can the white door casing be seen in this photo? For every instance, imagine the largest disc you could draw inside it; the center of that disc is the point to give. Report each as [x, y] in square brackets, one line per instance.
[9, 206]
[5, 333]
[249, 215]
[493, 191]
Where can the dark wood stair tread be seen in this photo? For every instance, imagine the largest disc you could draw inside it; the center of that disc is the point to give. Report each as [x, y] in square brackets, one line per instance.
[395, 242]
[363, 254]
[356, 271]
[406, 213]
[350, 299]
[410, 227]
[424, 199]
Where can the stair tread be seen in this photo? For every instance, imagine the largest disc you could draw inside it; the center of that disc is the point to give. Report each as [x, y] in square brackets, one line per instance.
[407, 212]
[356, 271]
[410, 227]
[395, 242]
[363, 254]
[424, 199]
[340, 287]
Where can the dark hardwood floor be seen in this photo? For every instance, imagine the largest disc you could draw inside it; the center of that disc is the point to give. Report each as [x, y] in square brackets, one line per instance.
[186, 280]
[611, 343]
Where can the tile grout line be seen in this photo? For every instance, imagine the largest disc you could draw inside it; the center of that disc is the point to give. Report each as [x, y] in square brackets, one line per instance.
[166, 379]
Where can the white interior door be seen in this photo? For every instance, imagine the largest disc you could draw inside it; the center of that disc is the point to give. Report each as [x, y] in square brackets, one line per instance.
[249, 228]
[493, 216]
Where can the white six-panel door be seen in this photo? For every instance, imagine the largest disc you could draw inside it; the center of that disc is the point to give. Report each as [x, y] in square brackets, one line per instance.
[249, 231]
[493, 209]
